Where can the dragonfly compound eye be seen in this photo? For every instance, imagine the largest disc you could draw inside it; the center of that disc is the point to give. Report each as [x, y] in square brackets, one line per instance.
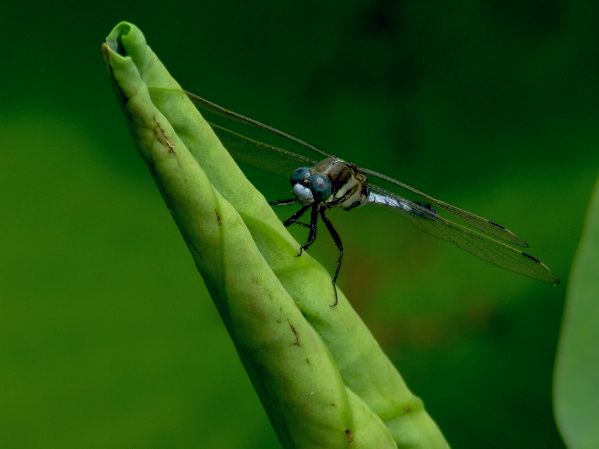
[321, 187]
[300, 175]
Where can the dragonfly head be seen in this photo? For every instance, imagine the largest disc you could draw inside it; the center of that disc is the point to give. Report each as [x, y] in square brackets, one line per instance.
[309, 187]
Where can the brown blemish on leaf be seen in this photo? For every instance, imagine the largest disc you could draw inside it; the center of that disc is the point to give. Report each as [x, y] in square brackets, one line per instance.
[349, 436]
[307, 360]
[295, 334]
[219, 220]
[161, 136]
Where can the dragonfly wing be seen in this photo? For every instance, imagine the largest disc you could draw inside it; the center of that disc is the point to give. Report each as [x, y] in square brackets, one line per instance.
[237, 131]
[476, 243]
[482, 224]
[259, 154]
[214, 110]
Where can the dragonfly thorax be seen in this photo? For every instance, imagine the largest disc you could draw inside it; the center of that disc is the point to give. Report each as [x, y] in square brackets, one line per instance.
[331, 181]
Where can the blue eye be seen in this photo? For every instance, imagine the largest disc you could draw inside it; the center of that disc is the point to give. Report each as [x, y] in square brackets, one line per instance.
[299, 176]
[321, 187]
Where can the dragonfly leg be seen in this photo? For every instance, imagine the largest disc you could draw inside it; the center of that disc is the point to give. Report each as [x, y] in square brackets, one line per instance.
[313, 226]
[296, 216]
[283, 202]
[294, 220]
[339, 245]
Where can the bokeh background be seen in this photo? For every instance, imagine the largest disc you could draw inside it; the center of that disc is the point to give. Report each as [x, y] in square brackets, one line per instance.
[108, 338]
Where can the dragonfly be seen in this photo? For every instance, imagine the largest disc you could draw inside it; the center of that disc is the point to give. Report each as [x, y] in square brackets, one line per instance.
[321, 181]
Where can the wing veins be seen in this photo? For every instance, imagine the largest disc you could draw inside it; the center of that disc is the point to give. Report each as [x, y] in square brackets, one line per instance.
[237, 117]
[476, 243]
[476, 221]
[280, 152]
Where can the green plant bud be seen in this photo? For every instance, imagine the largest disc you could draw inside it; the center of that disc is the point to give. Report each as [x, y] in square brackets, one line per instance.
[321, 376]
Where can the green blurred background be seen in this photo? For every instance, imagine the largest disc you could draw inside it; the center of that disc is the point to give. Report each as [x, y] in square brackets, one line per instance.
[108, 338]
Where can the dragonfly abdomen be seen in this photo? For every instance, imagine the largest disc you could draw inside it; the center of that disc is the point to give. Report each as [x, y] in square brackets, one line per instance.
[390, 201]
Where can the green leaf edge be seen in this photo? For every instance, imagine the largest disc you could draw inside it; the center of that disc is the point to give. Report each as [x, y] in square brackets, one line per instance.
[576, 400]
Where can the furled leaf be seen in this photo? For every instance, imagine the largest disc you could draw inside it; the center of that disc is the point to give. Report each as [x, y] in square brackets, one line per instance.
[321, 376]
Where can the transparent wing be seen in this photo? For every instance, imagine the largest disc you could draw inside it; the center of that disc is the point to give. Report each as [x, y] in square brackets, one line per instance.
[240, 142]
[485, 225]
[214, 108]
[259, 154]
[476, 243]
[482, 224]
